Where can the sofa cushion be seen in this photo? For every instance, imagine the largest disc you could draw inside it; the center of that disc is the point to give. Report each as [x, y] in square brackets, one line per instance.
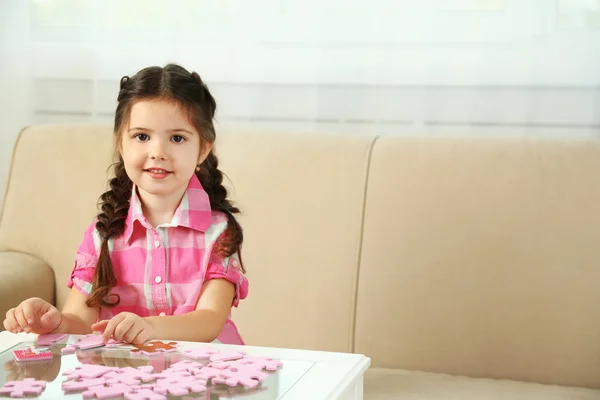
[481, 258]
[388, 384]
[302, 200]
[23, 276]
[56, 176]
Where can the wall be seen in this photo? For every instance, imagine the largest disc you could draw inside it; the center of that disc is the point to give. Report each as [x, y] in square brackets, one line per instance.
[15, 81]
[488, 67]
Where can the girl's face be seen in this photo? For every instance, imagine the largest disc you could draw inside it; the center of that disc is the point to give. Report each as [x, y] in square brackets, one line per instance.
[160, 148]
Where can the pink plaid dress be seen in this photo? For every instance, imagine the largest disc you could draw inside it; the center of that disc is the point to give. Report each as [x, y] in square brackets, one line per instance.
[160, 271]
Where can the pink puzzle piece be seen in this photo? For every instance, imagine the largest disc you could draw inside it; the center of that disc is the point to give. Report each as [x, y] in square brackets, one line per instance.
[106, 392]
[82, 384]
[261, 362]
[130, 376]
[179, 386]
[207, 373]
[186, 365]
[87, 371]
[247, 377]
[24, 387]
[200, 353]
[114, 343]
[146, 386]
[224, 365]
[144, 394]
[49, 339]
[90, 342]
[170, 374]
[227, 356]
[30, 354]
[68, 349]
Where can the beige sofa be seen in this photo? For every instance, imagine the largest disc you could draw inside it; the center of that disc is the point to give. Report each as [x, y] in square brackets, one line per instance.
[466, 268]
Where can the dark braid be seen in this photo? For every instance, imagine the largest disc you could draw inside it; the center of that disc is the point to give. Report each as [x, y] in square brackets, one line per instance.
[211, 179]
[111, 223]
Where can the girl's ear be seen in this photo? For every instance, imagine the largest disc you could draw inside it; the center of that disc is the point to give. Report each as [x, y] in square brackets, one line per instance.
[205, 150]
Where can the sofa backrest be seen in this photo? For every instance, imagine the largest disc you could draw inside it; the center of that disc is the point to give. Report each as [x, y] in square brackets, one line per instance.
[481, 257]
[56, 176]
[302, 196]
[470, 256]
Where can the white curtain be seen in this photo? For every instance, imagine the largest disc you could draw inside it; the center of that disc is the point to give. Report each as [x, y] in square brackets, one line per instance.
[427, 67]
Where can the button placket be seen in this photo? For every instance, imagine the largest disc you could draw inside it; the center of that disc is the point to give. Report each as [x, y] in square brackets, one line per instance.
[159, 271]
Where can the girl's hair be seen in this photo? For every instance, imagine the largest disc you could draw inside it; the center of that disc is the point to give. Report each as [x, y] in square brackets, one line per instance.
[174, 84]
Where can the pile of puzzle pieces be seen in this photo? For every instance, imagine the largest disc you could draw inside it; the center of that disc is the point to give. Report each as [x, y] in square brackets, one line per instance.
[223, 367]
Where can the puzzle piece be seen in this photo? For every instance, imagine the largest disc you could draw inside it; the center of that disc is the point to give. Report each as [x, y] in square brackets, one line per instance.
[207, 373]
[180, 385]
[261, 362]
[186, 365]
[169, 374]
[114, 343]
[49, 339]
[68, 349]
[227, 356]
[200, 353]
[247, 377]
[30, 354]
[144, 394]
[112, 390]
[224, 365]
[89, 342]
[130, 376]
[82, 384]
[155, 347]
[212, 354]
[24, 387]
[87, 371]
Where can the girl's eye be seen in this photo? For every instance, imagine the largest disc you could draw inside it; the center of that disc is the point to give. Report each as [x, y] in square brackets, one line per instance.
[142, 137]
[178, 139]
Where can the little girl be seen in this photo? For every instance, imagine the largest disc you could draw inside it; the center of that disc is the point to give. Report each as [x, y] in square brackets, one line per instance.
[162, 259]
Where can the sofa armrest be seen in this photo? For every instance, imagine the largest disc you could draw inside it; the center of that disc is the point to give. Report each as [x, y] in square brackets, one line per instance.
[23, 276]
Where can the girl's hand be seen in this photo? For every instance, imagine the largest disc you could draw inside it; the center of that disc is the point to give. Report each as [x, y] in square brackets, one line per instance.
[129, 327]
[33, 316]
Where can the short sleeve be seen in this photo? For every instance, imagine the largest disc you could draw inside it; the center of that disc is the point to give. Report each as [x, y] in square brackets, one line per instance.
[228, 268]
[84, 266]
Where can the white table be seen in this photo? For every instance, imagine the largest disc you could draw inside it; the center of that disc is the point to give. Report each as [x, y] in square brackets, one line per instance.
[305, 375]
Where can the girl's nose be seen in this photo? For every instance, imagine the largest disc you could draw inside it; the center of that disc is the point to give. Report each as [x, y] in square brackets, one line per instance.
[157, 151]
